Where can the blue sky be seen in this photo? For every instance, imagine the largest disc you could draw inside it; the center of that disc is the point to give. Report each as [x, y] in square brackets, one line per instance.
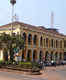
[36, 12]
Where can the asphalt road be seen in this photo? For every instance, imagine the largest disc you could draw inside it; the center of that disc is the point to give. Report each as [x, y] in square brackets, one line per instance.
[14, 76]
[58, 73]
[62, 72]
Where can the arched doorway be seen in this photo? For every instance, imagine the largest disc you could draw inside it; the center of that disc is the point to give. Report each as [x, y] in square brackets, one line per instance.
[29, 55]
[47, 56]
[40, 56]
[56, 56]
[5, 55]
[52, 56]
[23, 55]
[60, 56]
[34, 55]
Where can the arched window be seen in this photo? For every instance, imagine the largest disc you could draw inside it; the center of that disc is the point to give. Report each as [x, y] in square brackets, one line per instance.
[46, 42]
[64, 43]
[52, 45]
[29, 39]
[35, 40]
[61, 44]
[56, 43]
[24, 37]
[41, 41]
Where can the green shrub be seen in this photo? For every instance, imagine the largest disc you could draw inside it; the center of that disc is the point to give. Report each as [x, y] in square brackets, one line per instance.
[8, 62]
[29, 64]
[35, 69]
[1, 61]
[35, 64]
[26, 65]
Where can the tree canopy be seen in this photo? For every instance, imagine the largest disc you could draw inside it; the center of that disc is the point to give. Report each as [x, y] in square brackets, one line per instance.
[9, 42]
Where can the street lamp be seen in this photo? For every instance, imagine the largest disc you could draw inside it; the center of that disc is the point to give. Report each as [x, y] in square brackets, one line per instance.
[13, 2]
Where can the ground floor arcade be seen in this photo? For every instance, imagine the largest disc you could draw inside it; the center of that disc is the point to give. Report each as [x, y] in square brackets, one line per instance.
[38, 55]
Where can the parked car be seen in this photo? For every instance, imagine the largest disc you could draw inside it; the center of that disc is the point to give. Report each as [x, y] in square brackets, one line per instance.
[63, 62]
[53, 63]
[47, 63]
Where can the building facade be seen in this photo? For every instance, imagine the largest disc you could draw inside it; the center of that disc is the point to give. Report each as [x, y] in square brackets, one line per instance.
[40, 42]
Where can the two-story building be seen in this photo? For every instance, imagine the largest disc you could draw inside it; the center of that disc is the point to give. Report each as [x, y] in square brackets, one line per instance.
[40, 42]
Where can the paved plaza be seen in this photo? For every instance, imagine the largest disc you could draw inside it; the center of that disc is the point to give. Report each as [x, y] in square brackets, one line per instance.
[51, 73]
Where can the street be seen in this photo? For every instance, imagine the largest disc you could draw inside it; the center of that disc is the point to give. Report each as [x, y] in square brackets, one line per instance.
[51, 73]
[14, 76]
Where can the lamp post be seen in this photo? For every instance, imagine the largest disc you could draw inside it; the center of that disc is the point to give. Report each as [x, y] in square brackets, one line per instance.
[13, 2]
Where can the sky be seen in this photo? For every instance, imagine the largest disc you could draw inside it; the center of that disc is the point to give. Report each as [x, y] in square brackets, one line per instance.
[36, 12]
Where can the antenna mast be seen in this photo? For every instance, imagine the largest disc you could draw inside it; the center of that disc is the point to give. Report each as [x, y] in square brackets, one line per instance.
[13, 2]
[52, 19]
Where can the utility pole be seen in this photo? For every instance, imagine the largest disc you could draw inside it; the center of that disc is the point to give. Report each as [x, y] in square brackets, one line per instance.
[13, 2]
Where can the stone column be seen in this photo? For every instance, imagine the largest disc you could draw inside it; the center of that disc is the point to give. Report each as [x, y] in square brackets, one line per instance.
[63, 56]
[1, 55]
[32, 55]
[38, 55]
[49, 56]
[32, 41]
[26, 54]
[8, 55]
[49, 43]
[62, 44]
[26, 39]
[39, 41]
[58, 56]
[54, 56]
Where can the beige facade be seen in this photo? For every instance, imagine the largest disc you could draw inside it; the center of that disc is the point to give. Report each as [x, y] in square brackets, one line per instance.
[1, 55]
[39, 41]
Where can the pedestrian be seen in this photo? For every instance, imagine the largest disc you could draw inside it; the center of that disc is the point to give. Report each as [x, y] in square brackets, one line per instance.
[44, 63]
[41, 65]
[55, 64]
